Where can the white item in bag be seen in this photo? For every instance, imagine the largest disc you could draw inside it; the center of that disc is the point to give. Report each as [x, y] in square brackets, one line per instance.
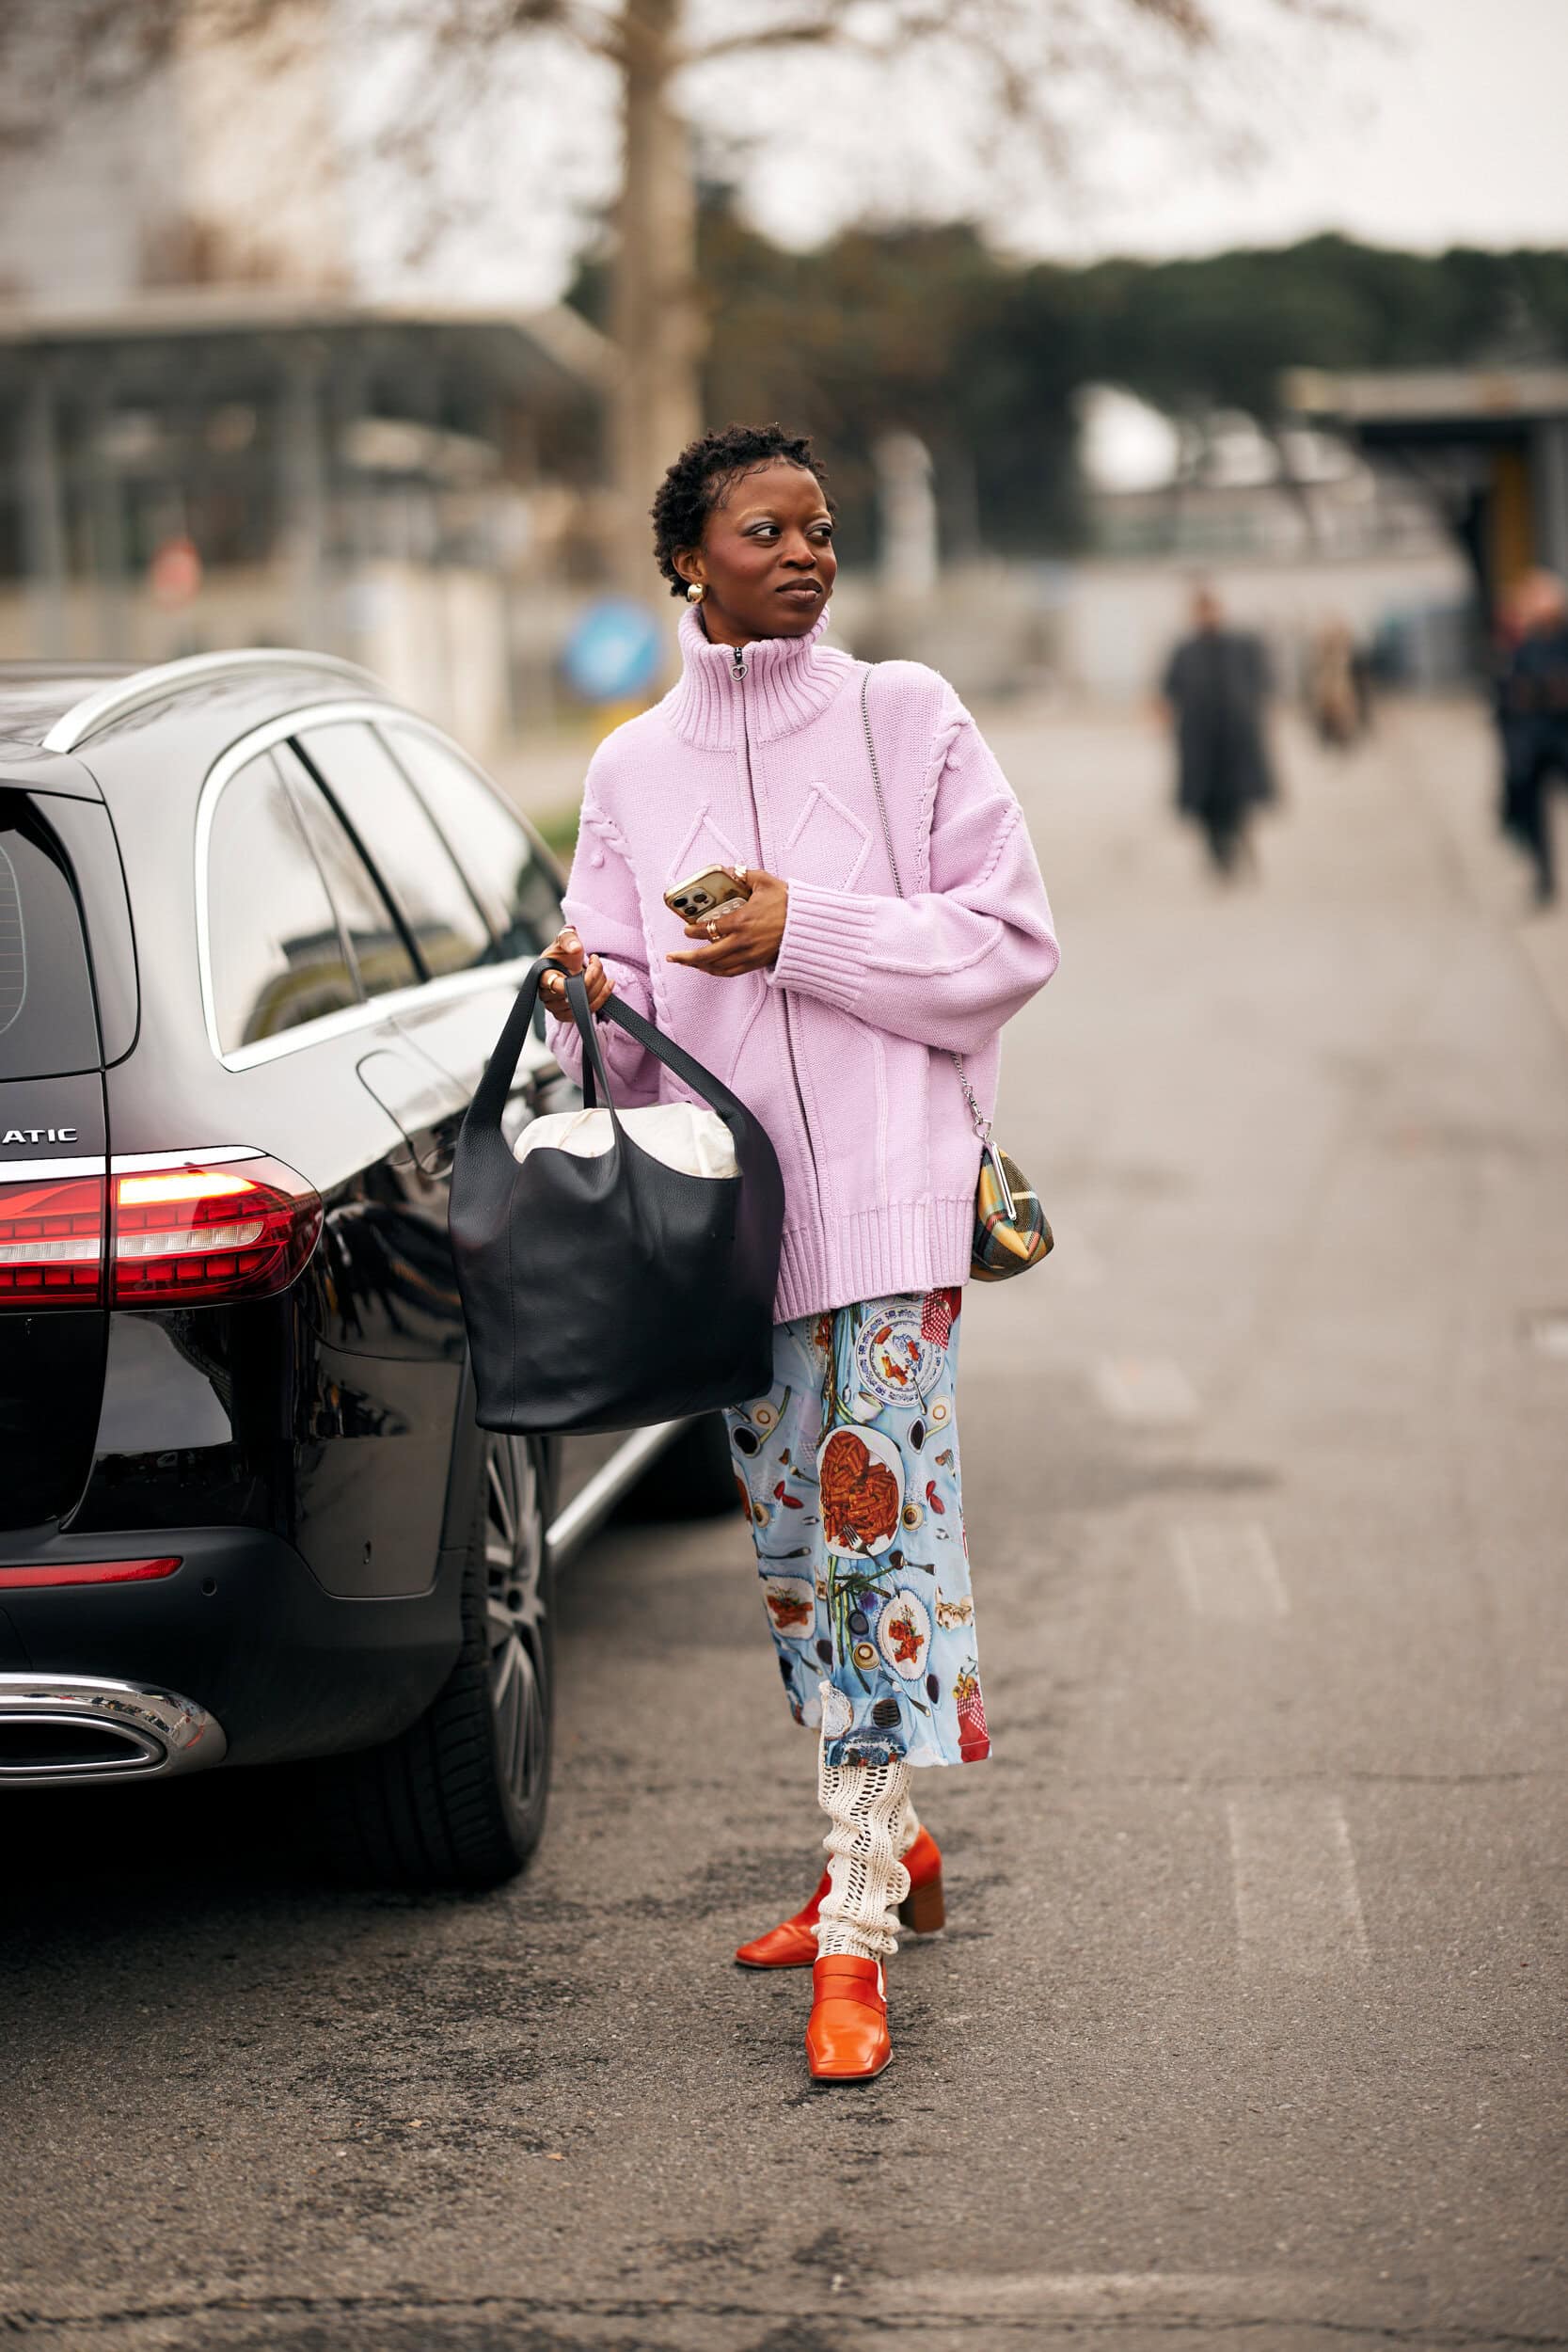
[684, 1135]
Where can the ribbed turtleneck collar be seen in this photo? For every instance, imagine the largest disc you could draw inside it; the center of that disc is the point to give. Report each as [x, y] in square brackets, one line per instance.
[788, 681]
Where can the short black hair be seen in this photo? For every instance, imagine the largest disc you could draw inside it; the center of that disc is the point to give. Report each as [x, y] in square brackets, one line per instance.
[701, 475]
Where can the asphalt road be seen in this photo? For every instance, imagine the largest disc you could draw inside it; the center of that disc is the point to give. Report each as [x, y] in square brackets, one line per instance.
[1248, 2024]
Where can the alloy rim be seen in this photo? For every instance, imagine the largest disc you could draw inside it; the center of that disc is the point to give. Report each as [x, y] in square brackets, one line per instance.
[515, 1615]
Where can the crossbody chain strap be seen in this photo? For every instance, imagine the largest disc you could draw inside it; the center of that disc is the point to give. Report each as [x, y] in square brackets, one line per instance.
[982, 1124]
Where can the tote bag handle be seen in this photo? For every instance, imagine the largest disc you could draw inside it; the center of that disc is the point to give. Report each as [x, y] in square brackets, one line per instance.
[489, 1097]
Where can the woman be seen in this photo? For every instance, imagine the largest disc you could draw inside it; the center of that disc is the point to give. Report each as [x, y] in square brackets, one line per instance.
[834, 1006]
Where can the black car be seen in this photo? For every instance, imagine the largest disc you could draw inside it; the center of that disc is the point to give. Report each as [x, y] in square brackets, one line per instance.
[260, 928]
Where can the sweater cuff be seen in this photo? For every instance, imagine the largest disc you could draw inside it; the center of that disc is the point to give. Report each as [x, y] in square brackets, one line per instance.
[823, 951]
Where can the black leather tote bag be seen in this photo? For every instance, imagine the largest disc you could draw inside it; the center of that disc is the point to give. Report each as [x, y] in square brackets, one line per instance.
[606, 1293]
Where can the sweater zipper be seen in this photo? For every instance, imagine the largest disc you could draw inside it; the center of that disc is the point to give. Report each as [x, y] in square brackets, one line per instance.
[737, 660]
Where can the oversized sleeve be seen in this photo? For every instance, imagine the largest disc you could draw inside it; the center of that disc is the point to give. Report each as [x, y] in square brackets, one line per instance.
[602, 906]
[951, 962]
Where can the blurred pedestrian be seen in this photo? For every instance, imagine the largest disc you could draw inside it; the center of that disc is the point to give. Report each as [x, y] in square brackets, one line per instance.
[1338, 697]
[1216, 687]
[1532, 717]
[836, 1007]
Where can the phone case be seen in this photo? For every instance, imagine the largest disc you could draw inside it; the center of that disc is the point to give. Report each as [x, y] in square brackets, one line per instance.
[699, 896]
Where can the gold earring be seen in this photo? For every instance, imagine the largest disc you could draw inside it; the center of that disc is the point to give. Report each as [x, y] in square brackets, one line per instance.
[697, 591]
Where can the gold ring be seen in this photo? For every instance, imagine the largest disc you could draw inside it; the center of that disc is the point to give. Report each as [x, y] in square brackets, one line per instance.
[713, 929]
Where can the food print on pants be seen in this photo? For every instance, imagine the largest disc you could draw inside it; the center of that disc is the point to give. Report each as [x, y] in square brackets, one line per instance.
[848, 1476]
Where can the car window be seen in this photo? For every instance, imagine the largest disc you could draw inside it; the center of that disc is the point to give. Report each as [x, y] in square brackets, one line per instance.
[380, 951]
[393, 828]
[504, 870]
[48, 1023]
[276, 955]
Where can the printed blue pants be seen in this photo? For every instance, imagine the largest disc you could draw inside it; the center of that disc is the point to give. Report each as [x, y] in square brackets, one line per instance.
[848, 1476]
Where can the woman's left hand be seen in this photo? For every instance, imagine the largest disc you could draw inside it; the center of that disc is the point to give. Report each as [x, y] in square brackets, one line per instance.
[745, 939]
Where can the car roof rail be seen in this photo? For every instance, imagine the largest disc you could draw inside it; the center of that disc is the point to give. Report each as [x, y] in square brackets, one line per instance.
[118, 696]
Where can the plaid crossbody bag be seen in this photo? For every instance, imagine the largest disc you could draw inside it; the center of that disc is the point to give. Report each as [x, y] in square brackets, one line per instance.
[1012, 1231]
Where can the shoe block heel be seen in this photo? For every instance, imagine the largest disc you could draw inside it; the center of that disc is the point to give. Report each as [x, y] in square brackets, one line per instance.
[923, 1910]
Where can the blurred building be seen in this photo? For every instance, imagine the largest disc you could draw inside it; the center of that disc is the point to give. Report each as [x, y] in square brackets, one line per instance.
[1486, 448]
[219, 466]
[1222, 488]
[207, 438]
[1294, 528]
[155, 160]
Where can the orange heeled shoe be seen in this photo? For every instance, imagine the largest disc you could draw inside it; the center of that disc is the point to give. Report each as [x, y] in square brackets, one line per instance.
[847, 2035]
[793, 1943]
[924, 1909]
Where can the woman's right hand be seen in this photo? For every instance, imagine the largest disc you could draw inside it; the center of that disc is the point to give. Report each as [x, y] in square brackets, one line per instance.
[552, 988]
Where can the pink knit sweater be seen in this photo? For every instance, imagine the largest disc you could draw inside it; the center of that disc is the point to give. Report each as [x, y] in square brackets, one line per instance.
[843, 1049]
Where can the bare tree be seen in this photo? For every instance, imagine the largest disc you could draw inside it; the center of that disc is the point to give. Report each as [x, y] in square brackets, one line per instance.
[1033, 68]
[1030, 63]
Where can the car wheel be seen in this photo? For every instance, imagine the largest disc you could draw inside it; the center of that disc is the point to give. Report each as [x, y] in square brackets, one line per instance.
[692, 1479]
[519, 1632]
[459, 1798]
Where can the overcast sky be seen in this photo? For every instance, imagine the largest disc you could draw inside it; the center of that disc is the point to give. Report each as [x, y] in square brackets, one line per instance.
[1452, 128]
[1457, 135]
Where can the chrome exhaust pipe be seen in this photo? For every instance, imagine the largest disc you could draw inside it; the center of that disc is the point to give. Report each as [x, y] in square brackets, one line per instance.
[87, 1727]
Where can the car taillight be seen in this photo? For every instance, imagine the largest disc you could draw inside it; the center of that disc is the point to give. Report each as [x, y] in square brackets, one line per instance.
[240, 1229]
[51, 1242]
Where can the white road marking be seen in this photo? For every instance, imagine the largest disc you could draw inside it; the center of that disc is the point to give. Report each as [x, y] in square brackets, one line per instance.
[1298, 1907]
[1088, 2293]
[1148, 1390]
[1228, 1569]
[1550, 1334]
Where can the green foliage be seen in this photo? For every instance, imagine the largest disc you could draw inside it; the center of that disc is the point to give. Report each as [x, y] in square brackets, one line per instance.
[1218, 332]
[868, 333]
[929, 330]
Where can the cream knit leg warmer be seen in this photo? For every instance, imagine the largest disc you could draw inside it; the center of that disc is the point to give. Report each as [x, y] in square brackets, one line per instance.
[907, 1828]
[867, 1881]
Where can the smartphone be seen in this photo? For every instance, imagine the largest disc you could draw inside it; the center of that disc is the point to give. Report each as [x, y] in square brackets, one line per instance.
[714, 891]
